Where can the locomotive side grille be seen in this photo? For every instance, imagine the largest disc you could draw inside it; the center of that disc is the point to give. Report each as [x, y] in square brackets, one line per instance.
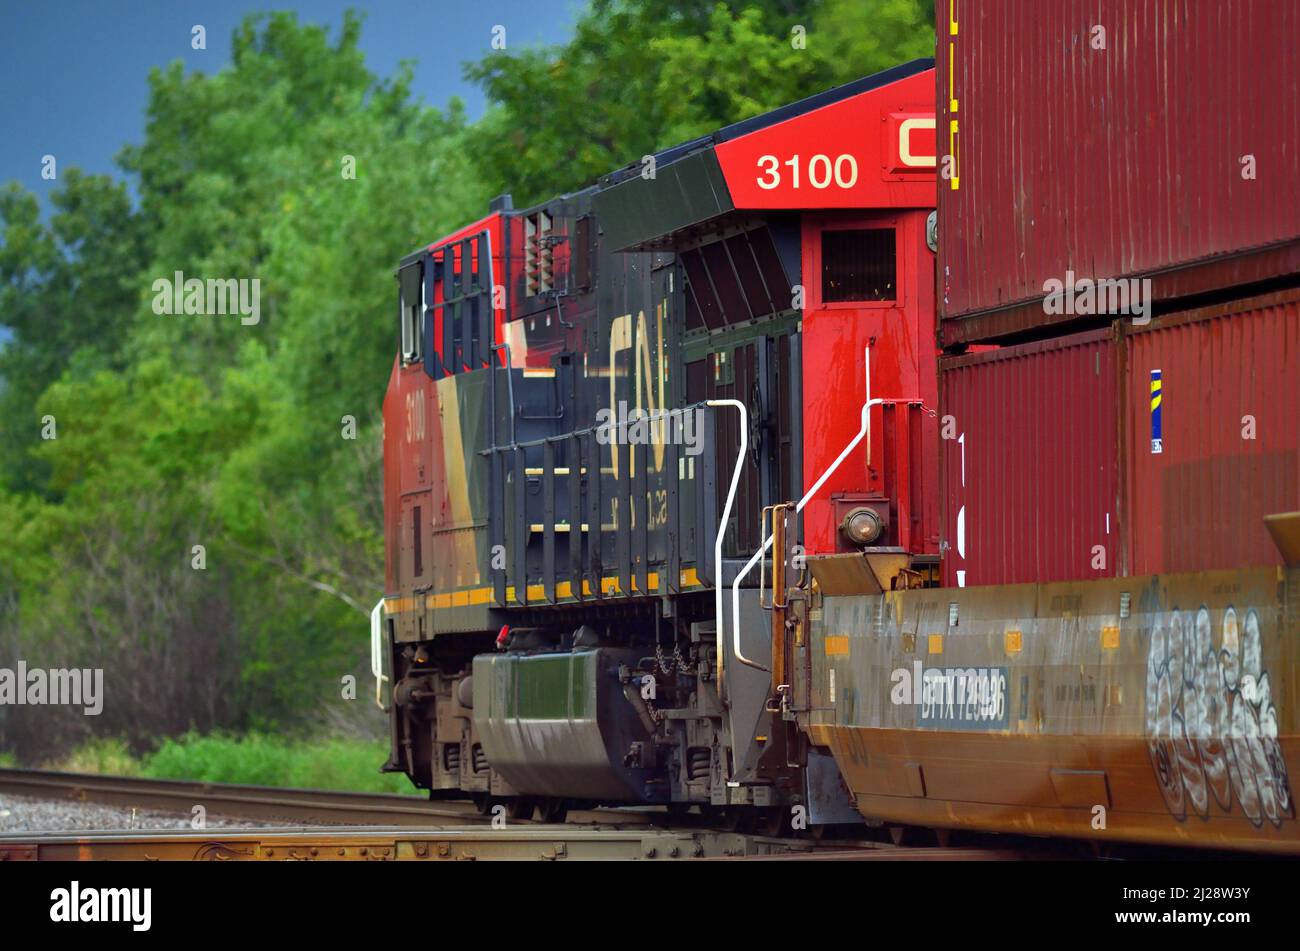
[539, 254]
[734, 279]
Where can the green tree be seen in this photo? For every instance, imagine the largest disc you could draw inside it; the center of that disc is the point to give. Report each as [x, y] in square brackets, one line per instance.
[639, 76]
[296, 167]
[65, 287]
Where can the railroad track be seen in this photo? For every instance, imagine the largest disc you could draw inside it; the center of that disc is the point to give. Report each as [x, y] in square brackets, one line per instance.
[391, 827]
[352, 827]
[271, 803]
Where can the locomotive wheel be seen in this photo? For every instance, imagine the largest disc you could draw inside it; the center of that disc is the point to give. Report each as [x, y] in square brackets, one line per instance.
[553, 810]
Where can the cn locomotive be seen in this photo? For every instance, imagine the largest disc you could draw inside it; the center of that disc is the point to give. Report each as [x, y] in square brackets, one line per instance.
[674, 515]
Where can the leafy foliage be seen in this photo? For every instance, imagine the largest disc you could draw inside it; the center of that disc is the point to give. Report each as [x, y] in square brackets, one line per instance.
[183, 431]
[640, 76]
[252, 759]
[259, 760]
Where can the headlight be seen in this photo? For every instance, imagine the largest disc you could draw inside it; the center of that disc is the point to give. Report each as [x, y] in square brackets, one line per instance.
[862, 526]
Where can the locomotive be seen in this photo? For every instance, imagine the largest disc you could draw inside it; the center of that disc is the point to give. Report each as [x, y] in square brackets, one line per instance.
[674, 516]
[596, 405]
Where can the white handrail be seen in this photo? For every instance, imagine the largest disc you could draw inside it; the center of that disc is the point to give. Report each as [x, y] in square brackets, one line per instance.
[726, 515]
[863, 430]
[377, 652]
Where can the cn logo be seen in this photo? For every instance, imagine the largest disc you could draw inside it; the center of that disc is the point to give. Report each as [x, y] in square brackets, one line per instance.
[910, 144]
[907, 156]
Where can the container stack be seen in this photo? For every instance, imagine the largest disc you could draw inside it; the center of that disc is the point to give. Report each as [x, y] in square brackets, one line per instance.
[1119, 286]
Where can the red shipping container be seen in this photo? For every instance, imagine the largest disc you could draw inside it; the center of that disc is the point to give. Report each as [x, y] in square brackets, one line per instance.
[1228, 435]
[1030, 478]
[1061, 451]
[1113, 139]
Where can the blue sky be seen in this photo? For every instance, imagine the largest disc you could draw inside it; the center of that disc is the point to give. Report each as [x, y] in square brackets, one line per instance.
[74, 71]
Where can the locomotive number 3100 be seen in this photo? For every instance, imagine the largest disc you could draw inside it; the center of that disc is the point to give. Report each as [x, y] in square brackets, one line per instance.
[819, 172]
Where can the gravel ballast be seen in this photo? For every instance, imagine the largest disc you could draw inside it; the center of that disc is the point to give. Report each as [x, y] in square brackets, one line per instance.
[25, 814]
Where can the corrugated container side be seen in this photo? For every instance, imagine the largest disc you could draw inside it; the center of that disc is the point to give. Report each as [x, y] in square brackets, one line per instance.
[1030, 476]
[1132, 159]
[1229, 435]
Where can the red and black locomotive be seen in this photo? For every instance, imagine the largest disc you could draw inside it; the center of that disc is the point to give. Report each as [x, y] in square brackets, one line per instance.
[596, 403]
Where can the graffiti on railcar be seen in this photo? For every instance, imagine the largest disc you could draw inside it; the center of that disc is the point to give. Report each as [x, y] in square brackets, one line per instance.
[1211, 722]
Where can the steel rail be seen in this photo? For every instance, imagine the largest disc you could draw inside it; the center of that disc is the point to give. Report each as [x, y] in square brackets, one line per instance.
[268, 803]
[386, 826]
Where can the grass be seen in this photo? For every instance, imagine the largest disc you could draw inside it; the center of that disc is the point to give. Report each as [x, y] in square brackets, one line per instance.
[262, 760]
[253, 759]
[106, 756]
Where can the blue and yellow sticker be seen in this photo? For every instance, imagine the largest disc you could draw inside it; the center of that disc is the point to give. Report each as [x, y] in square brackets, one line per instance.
[1157, 435]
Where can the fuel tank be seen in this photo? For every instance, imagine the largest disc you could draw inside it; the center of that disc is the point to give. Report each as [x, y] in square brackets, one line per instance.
[570, 724]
